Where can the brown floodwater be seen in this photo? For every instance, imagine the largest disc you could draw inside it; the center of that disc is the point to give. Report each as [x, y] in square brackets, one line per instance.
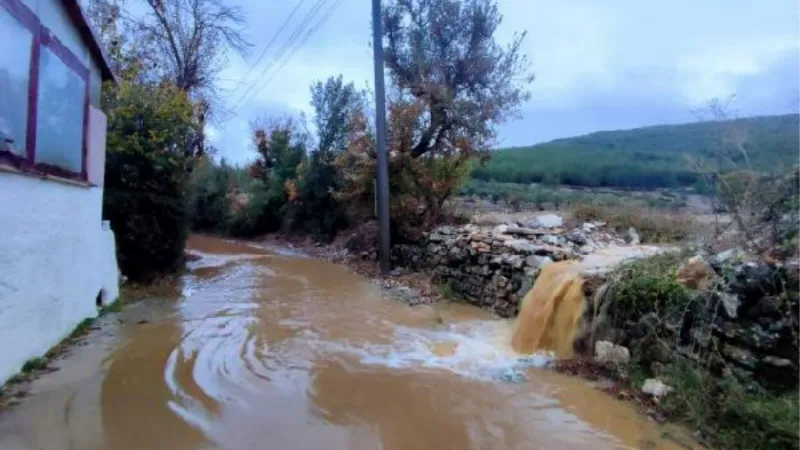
[256, 348]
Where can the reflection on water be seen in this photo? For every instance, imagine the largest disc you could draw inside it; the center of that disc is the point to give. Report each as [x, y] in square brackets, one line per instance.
[268, 350]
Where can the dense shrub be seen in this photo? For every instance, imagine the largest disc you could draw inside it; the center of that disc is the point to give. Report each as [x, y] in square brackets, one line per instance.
[209, 202]
[146, 172]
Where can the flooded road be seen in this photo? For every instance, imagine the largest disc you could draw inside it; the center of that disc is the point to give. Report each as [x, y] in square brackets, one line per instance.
[256, 349]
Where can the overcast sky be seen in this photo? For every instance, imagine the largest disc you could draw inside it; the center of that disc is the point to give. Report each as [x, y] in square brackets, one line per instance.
[600, 64]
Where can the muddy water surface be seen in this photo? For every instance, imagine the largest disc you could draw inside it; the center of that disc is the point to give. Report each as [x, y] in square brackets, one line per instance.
[256, 349]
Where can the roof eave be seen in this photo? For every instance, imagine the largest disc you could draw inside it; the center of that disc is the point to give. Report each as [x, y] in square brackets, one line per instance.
[90, 38]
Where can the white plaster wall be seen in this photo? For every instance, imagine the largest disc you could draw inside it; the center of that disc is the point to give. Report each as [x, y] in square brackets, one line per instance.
[55, 257]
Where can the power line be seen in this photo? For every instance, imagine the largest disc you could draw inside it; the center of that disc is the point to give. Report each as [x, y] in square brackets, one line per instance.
[308, 35]
[268, 46]
[292, 38]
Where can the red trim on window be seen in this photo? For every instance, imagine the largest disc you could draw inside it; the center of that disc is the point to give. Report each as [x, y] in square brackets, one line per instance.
[60, 50]
[42, 37]
[85, 141]
[33, 99]
[22, 13]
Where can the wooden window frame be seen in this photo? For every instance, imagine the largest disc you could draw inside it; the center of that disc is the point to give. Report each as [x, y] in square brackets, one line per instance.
[43, 37]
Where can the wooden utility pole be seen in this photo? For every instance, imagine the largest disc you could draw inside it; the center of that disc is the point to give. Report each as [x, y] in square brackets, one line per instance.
[380, 138]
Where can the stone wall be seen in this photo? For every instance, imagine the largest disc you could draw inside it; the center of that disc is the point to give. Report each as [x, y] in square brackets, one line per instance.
[493, 268]
[754, 312]
[755, 321]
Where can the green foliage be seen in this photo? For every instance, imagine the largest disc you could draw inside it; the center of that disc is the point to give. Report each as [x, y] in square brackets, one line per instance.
[334, 104]
[209, 202]
[82, 328]
[650, 285]
[34, 364]
[147, 165]
[730, 414]
[643, 158]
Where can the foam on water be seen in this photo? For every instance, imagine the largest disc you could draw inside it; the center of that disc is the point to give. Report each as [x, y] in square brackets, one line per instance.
[476, 349]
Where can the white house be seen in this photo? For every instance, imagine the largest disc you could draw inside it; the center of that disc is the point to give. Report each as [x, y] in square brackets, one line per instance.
[57, 257]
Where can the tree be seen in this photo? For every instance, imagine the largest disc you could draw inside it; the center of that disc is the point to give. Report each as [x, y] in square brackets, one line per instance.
[442, 55]
[334, 104]
[183, 42]
[314, 207]
[209, 202]
[193, 38]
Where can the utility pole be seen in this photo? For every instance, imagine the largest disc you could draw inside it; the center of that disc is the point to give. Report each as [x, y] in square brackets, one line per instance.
[380, 138]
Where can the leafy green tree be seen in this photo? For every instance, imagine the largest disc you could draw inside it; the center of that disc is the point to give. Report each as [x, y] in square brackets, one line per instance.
[334, 104]
[146, 175]
[281, 148]
[209, 201]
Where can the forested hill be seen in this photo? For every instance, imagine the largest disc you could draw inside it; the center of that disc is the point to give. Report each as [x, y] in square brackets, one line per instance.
[648, 157]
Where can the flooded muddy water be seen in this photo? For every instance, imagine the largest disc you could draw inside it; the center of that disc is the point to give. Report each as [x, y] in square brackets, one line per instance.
[258, 349]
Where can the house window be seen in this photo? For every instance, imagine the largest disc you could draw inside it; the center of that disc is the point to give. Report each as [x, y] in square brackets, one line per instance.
[15, 63]
[59, 124]
[43, 97]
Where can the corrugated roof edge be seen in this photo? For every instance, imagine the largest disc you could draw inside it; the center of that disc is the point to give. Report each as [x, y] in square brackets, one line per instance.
[79, 20]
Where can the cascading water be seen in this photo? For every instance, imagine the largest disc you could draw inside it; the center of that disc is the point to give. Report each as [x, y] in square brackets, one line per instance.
[551, 311]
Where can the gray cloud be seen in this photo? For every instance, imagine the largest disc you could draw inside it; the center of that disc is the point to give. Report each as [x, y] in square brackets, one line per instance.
[599, 65]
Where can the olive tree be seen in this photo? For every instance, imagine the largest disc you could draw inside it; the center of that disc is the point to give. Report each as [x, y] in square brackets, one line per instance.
[443, 55]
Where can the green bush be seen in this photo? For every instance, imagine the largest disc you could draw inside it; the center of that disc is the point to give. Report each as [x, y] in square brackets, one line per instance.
[147, 164]
[209, 205]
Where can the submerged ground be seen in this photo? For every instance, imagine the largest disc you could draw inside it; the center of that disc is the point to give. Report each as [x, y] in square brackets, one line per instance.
[257, 348]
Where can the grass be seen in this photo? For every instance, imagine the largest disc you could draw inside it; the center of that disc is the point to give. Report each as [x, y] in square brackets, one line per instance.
[34, 364]
[732, 416]
[653, 226]
[446, 291]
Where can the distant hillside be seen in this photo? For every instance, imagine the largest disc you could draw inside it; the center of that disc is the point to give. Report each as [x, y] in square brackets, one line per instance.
[643, 158]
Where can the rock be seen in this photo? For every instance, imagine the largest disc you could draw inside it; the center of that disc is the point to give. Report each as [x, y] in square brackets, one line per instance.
[435, 237]
[548, 221]
[753, 335]
[696, 274]
[658, 351]
[656, 388]
[728, 256]
[525, 231]
[588, 227]
[605, 351]
[729, 305]
[740, 356]
[538, 261]
[500, 229]
[550, 239]
[522, 246]
[577, 237]
[396, 272]
[778, 363]
[752, 282]
[447, 229]
[633, 237]
[769, 306]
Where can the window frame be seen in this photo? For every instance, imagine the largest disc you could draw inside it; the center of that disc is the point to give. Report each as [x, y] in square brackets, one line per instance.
[43, 37]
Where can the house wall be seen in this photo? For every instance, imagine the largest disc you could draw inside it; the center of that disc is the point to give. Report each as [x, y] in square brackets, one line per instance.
[56, 256]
